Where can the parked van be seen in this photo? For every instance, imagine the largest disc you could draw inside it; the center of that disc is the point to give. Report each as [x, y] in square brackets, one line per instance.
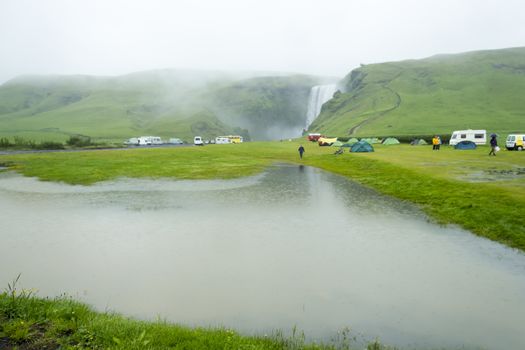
[222, 140]
[479, 137]
[235, 138]
[144, 141]
[175, 141]
[156, 140]
[150, 140]
[197, 141]
[515, 142]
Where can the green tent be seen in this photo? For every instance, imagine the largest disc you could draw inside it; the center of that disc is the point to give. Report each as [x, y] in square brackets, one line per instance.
[362, 146]
[391, 141]
[337, 144]
[371, 140]
[350, 142]
[416, 142]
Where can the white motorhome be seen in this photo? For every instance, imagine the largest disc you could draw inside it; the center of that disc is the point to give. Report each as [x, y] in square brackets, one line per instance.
[479, 137]
[197, 141]
[144, 141]
[150, 140]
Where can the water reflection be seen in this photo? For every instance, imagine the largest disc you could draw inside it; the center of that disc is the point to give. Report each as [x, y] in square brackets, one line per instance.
[294, 246]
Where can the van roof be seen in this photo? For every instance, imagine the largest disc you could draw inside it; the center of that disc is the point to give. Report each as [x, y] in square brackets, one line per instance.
[480, 130]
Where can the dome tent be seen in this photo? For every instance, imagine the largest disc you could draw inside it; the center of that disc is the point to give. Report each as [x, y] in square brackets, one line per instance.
[350, 142]
[465, 145]
[416, 142]
[391, 141]
[362, 146]
[371, 140]
[337, 144]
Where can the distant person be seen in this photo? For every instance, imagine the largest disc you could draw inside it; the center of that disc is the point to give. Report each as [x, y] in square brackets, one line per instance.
[439, 142]
[435, 143]
[301, 151]
[493, 144]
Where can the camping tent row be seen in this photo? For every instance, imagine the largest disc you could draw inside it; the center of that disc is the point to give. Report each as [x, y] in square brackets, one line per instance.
[360, 146]
[352, 141]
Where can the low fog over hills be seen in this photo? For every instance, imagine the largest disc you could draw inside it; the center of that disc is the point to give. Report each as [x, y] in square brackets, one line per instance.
[169, 103]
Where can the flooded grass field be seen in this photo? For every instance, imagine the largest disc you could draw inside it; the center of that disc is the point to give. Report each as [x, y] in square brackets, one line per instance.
[294, 246]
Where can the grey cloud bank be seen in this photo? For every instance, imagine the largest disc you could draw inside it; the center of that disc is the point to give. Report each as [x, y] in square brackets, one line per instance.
[328, 37]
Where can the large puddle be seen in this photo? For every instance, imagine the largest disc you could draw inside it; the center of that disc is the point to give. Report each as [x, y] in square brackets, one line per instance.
[292, 247]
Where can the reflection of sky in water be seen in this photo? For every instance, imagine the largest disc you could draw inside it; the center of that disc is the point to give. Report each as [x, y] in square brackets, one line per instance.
[294, 246]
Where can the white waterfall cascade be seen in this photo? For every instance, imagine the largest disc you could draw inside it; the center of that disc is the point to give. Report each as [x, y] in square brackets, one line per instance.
[319, 94]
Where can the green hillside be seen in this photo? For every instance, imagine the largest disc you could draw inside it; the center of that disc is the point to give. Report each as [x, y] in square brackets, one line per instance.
[476, 90]
[168, 103]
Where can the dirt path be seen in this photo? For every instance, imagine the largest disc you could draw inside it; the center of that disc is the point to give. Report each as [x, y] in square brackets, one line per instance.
[381, 113]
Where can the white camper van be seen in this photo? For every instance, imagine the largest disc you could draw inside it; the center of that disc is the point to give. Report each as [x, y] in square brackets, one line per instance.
[479, 137]
[197, 141]
[144, 141]
[150, 140]
[515, 142]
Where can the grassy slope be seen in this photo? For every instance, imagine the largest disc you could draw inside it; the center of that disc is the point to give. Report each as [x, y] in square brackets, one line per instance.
[164, 103]
[477, 90]
[433, 180]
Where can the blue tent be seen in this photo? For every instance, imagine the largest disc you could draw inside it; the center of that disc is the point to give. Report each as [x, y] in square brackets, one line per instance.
[465, 145]
[362, 146]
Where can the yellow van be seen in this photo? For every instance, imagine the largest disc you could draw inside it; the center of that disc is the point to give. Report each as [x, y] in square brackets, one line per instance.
[515, 142]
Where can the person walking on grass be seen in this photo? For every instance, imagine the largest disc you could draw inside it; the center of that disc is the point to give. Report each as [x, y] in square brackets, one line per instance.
[301, 151]
[493, 144]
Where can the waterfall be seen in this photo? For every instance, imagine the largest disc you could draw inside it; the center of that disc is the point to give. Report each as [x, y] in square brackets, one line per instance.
[319, 94]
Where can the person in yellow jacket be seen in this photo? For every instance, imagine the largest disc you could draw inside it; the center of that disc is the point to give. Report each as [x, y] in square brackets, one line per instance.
[435, 143]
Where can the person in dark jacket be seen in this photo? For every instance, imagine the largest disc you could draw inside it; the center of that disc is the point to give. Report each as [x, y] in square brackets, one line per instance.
[301, 151]
[493, 144]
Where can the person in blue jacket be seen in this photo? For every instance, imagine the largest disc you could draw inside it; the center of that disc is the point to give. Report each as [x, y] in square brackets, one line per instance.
[493, 144]
[301, 151]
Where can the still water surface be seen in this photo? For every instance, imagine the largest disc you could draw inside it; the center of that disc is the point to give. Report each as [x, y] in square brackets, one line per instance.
[294, 246]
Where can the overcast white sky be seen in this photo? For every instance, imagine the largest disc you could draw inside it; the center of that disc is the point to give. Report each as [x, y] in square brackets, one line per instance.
[326, 37]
